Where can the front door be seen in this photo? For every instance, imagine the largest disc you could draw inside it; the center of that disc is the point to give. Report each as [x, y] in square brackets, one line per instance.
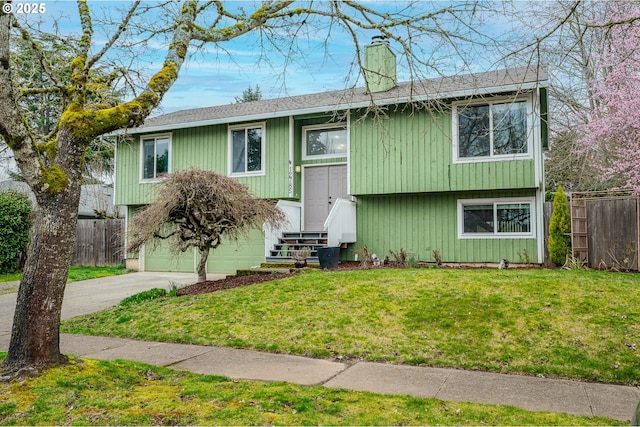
[322, 186]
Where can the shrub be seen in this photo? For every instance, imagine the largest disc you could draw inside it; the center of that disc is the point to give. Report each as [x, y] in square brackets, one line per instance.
[15, 209]
[401, 256]
[559, 228]
[365, 257]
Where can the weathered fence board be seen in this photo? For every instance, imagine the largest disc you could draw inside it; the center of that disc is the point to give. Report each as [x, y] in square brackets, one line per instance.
[610, 230]
[99, 242]
[612, 226]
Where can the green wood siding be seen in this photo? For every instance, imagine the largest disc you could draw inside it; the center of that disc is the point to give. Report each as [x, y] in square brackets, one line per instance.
[206, 148]
[420, 223]
[226, 259]
[159, 257]
[413, 153]
[231, 256]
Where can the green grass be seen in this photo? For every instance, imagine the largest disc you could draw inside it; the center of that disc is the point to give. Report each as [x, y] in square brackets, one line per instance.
[10, 277]
[553, 323]
[76, 273]
[90, 392]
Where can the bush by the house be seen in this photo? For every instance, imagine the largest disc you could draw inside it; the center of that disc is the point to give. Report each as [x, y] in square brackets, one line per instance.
[15, 209]
[559, 229]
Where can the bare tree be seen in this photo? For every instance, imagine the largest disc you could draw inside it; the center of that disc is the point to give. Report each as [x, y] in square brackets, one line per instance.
[52, 162]
[197, 208]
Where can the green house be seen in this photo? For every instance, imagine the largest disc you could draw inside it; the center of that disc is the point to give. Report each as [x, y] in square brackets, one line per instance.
[453, 165]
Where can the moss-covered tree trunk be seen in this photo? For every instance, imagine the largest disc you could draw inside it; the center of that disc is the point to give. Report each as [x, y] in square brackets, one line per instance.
[52, 166]
[35, 339]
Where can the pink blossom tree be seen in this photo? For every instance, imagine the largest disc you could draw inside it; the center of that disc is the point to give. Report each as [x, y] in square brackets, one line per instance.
[613, 130]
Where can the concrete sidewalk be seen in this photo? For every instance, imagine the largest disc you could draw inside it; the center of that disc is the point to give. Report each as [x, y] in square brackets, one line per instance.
[531, 393]
[534, 394]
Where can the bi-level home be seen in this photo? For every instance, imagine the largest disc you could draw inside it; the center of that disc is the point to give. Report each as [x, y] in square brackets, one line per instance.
[452, 165]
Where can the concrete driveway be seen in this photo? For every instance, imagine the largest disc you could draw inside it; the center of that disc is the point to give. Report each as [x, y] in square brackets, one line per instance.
[89, 296]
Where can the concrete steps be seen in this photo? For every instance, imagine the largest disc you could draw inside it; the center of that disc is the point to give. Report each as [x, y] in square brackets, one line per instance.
[291, 243]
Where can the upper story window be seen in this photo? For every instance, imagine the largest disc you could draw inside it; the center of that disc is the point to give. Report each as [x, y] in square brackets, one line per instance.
[495, 218]
[155, 156]
[325, 141]
[495, 130]
[246, 149]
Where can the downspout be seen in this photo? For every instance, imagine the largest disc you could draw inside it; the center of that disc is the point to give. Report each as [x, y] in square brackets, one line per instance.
[539, 169]
[291, 157]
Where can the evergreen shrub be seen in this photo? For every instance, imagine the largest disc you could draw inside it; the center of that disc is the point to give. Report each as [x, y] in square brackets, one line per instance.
[15, 222]
[559, 229]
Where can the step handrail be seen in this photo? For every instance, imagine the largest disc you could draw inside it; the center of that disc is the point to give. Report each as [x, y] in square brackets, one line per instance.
[293, 213]
[341, 223]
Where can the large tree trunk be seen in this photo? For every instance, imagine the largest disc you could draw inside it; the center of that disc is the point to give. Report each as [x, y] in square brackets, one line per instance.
[35, 337]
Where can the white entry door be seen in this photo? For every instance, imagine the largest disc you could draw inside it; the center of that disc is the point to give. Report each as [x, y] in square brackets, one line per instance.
[322, 186]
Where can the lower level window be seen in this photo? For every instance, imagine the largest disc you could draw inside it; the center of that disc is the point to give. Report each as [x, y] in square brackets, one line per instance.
[500, 218]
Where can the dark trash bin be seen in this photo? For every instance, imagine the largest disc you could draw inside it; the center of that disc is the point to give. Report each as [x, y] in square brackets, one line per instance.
[328, 257]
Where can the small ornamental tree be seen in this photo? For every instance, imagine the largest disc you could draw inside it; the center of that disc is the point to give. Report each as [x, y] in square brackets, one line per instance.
[197, 208]
[559, 229]
[15, 209]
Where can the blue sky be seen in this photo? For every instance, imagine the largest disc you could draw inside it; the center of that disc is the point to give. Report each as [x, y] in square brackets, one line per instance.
[214, 78]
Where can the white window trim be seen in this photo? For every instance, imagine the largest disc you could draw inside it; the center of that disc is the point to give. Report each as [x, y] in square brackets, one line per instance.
[156, 136]
[492, 157]
[326, 126]
[498, 201]
[263, 149]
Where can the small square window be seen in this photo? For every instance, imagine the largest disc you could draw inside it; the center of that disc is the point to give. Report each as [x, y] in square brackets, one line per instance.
[513, 218]
[247, 150]
[155, 156]
[478, 219]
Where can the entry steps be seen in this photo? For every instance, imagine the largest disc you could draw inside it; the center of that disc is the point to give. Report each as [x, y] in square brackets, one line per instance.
[292, 242]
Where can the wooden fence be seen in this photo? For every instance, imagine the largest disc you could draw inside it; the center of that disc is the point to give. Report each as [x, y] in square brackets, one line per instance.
[605, 229]
[99, 242]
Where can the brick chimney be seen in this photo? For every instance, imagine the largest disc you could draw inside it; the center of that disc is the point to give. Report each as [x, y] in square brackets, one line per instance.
[380, 65]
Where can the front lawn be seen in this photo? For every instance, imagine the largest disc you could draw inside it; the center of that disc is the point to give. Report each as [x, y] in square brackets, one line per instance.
[94, 392]
[553, 323]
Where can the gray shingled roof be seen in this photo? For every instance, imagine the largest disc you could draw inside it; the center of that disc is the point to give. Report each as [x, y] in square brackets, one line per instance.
[511, 79]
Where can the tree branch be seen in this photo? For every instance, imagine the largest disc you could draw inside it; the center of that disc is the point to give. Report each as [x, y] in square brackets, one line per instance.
[13, 127]
[243, 25]
[44, 63]
[115, 37]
